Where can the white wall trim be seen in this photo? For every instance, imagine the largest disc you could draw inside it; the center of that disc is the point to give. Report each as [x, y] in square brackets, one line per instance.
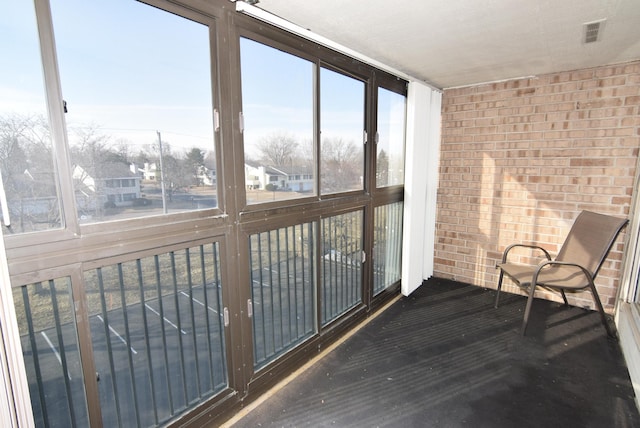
[14, 386]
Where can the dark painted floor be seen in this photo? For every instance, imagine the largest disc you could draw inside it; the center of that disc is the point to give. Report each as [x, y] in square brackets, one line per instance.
[444, 357]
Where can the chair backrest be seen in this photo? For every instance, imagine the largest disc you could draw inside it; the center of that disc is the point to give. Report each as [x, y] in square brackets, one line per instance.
[590, 239]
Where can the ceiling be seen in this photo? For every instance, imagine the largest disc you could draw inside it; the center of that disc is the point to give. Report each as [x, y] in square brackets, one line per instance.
[462, 42]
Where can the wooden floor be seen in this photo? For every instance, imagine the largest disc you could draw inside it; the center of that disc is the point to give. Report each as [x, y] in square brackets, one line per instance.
[444, 357]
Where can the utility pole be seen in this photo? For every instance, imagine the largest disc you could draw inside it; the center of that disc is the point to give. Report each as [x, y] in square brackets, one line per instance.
[164, 196]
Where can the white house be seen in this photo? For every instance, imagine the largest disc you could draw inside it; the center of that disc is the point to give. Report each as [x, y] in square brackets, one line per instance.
[108, 183]
[292, 178]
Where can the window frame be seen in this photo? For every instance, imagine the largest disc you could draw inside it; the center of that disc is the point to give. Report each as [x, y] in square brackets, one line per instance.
[71, 229]
[366, 142]
[401, 90]
[78, 247]
[258, 36]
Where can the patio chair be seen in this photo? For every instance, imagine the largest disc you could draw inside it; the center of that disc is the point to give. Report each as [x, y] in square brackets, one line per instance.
[575, 267]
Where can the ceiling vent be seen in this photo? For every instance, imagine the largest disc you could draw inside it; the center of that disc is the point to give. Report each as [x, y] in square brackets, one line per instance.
[593, 31]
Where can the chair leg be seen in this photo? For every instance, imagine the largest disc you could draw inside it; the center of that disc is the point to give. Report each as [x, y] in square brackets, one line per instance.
[603, 317]
[564, 297]
[527, 311]
[495, 305]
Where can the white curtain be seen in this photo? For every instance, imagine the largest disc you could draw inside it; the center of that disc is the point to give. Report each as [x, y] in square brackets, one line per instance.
[421, 183]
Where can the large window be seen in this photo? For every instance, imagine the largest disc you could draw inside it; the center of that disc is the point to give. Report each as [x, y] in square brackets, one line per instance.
[157, 333]
[156, 326]
[137, 85]
[26, 155]
[342, 130]
[341, 264]
[45, 312]
[390, 146]
[282, 289]
[277, 102]
[387, 246]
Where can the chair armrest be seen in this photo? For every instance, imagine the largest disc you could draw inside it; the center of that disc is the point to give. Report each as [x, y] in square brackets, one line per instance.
[512, 246]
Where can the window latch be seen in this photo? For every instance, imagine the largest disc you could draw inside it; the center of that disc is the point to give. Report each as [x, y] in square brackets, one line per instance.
[225, 314]
[216, 120]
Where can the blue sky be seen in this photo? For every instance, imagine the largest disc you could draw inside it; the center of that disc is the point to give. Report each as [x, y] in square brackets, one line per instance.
[21, 86]
[278, 96]
[115, 65]
[119, 66]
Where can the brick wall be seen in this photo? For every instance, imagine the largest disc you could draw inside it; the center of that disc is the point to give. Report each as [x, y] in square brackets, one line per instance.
[520, 159]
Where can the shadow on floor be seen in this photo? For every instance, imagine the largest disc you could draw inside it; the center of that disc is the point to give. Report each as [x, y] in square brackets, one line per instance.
[444, 357]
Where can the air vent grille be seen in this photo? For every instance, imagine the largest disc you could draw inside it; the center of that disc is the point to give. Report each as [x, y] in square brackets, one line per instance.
[592, 31]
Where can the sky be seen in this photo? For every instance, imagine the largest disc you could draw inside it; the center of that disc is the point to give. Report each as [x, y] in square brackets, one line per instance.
[131, 70]
[21, 86]
[119, 66]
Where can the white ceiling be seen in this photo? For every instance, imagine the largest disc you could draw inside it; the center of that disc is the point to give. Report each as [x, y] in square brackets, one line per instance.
[461, 42]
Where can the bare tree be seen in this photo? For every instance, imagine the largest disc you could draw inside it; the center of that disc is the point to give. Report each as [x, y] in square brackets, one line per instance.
[341, 166]
[89, 152]
[27, 168]
[382, 168]
[123, 148]
[278, 149]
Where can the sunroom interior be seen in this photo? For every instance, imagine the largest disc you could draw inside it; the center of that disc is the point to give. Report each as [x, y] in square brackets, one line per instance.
[200, 196]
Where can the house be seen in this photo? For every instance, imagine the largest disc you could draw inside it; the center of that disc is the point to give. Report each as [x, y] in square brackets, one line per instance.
[207, 176]
[149, 171]
[298, 178]
[109, 183]
[513, 119]
[291, 178]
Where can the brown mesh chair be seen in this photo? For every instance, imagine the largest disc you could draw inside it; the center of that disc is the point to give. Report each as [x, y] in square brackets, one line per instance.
[576, 266]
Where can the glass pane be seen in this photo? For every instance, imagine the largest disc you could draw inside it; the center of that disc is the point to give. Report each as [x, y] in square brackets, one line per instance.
[277, 102]
[341, 264]
[26, 156]
[157, 334]
[387, 246]
[137, 82]
[282, 290]
[45, 313]
[342, 128]
[390, 148]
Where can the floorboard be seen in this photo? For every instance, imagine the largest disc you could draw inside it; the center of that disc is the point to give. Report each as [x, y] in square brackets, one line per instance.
[444, 357]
